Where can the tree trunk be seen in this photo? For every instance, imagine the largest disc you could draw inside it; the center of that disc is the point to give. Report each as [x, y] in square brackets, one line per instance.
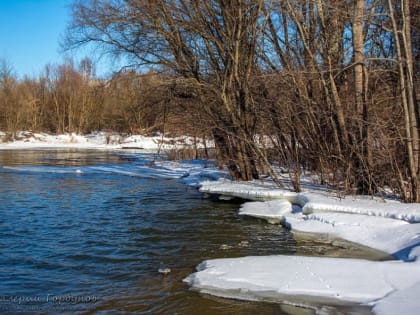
[362, 154]
[411, 111]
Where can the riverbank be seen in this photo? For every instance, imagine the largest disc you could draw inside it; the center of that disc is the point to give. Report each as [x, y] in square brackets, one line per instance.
[96, 140]
[383, 225]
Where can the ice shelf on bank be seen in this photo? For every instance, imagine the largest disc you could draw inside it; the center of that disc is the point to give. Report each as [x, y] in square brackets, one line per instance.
[302, 280]
[388, 226]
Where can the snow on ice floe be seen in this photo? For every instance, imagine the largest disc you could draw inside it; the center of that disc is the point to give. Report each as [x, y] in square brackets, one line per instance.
[404, 301]
[301, 279]
[380, 225]
[314, 201]
[377, 207]
[393, 237]
[390, 236]
[273, 211]
[256, 190]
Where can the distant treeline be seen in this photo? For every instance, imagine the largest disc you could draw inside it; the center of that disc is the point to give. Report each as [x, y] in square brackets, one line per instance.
[324, 86]
[67, 98]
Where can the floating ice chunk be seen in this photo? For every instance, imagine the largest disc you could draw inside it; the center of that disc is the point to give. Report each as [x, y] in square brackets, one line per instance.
[273, 211]
[256, 190]
[164, 271]
[390, 236]
[299, 279]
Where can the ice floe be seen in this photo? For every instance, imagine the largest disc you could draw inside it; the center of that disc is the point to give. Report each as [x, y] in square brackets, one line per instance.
[273, 211]
[388, 226]
[299, 279]
[255, 190]
[314, 200]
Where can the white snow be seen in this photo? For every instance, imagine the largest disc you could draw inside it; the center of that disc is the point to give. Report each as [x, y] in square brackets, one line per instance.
[299, 279]
[402, 301]
[314, 200]
[273, 211]
[189, 172]
[389, 236]
[97, 140]
[26, 140]
[394, 237]
[387, 226]
[388, 208]
[255, 190]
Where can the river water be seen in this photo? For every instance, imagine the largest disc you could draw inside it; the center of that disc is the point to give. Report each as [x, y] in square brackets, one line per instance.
[87, 231]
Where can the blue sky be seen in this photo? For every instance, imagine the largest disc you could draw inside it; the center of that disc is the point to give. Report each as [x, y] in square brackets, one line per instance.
[30, 31]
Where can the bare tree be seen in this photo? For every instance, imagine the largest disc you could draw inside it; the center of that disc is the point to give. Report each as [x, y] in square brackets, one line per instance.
[403, 45]
[307, 40]
[361, 140]
[212, 44]
[8, 102]
[327, 86]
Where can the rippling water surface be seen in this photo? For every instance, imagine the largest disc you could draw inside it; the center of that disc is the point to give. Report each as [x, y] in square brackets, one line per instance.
[87, 231]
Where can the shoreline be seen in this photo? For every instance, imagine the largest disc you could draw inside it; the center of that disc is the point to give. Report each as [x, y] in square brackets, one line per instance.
[382, 225]
[100, 140]
[378, 225]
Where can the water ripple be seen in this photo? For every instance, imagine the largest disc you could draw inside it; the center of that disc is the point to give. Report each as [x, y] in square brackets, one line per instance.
[104, 230]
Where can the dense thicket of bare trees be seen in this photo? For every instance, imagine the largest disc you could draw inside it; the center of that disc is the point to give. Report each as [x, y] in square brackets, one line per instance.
[67, 98]
[326, 86]
[212, 45]
[349, 70]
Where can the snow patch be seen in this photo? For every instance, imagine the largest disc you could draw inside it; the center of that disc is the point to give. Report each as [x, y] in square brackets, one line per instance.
[403, 301]
[277, 278]
[100, 140]
[388, 208]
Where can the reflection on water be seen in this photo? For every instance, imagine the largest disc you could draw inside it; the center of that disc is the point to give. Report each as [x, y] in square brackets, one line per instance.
[81, 234]
[58, 157]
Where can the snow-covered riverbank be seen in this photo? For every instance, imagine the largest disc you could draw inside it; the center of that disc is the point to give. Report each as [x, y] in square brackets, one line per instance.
[96, 140]
[383, 225]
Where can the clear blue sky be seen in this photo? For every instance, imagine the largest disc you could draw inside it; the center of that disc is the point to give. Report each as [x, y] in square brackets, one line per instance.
[30, 31]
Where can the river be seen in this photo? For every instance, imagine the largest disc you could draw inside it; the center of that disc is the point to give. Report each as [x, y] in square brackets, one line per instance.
[85, 231]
